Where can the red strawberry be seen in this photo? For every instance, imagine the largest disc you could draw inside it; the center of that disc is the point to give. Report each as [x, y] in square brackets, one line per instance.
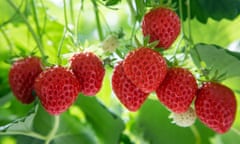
[161, 24]
[89, 70]
[22, 76]
[216, 106]
[146, 68]
[57, 88]
[178, 90]
[129, 95]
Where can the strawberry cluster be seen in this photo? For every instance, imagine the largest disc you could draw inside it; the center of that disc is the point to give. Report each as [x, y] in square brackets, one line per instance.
[141, 72]
[144, 71]
[56, 87]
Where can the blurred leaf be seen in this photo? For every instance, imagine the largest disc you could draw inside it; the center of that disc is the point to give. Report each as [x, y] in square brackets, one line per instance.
[217, 59]
[217, 10]
[8, 13]
[229, 138]
[111, 2]
[155, 126]
[20, 125]
[106, 124]
[27, 140]
[221, 32]
[71, 130]
[42, 118]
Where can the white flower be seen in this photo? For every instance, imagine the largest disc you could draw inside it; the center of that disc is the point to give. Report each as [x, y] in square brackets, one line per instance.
[110, 44]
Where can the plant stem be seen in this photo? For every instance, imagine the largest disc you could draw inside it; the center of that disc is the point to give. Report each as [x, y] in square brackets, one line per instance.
[235, 130]
[133, 15]
[72, 11]
[36, 19]
[36, 38]
[53, 132]
[76, 38]
[99, 26]
[181, 17]
[60, 47]
[30, 134]
[65, 15]
[189, 22]
[44, 19]
[10, 44]
[196, 134]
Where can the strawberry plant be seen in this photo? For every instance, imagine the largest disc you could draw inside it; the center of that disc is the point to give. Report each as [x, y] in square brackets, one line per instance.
[119, 71]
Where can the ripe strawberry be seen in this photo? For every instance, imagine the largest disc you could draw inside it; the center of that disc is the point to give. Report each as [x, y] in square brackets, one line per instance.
[216, 106]
[129, 95]
[177, 90]
[22, 76]
[146, 68]
[57, 88]
[89, 70]
[161, 24]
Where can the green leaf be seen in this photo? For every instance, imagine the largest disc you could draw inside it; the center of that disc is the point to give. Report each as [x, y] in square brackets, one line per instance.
[20, 125]
[42, 118]
[217, 10]
[107, 125]
[140, 9]
[71, 130]
[217, 59]
[154, 125]
[7, 11]
[229, 138]
[112, 2]
[221, 32]
[27, 140]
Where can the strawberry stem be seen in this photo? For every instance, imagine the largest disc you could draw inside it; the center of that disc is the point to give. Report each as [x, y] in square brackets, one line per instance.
[133, 17]
[237, 131]
[60, 47]
[99, 27]
[76, 38]
[65, 15]
[36, 19]
[189, 22]
[181, 17]
[9, 42]
[53, 132]
[35, 37]
[196, 134]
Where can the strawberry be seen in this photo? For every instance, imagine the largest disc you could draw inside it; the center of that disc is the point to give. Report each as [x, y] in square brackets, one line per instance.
[129, 95]
[216, 106]
[178, 90]
[146, 68]
[185, 119]
[90, 72]
[161, 24]
[22, 76]
[57, 88]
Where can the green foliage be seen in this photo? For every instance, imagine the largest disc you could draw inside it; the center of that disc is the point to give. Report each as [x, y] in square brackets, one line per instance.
[155, 126]
[217, 60]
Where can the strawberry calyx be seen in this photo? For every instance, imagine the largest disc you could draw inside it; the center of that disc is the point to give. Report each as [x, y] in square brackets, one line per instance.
[209, 74]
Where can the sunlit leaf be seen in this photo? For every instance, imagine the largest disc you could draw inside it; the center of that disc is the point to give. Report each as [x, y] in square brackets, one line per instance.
[103, 121]
[217, 59]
